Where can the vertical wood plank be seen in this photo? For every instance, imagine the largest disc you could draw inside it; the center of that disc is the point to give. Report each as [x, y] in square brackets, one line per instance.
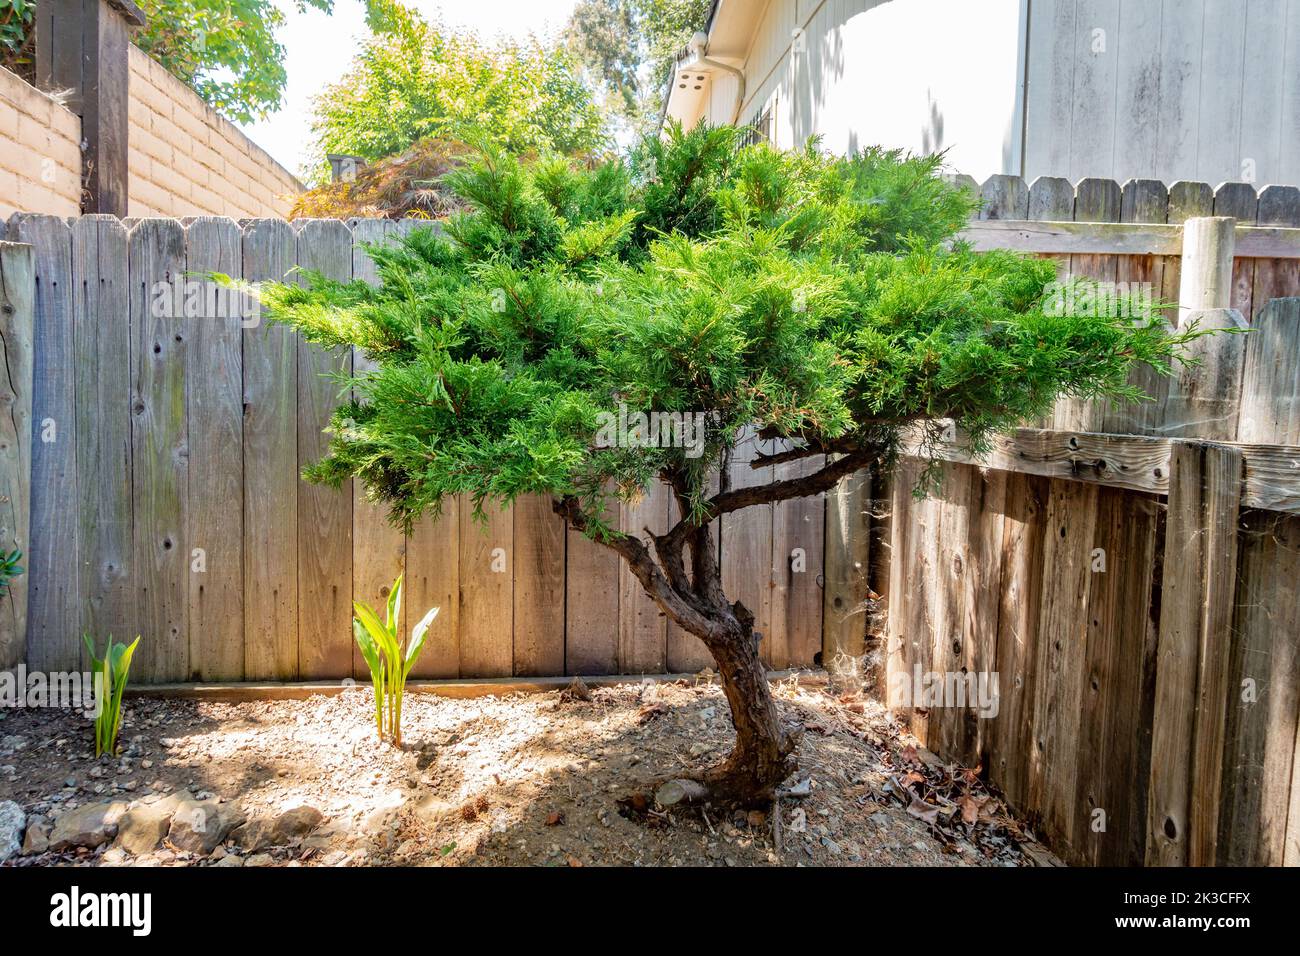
[101, 306]
[1116, 708]
[160, 453]
[53, 570]
[539, 587]
[378, 548]
[1062, 655]
[798, 547]
[487, 562]
[324, 514]
[1142, 200]
[1275, 278]
[1187, 735]
[642, 627]
[17, 331]
[1023, 531]
[214, 382]
[591, 619]
[433, 580]
[270, 468]
[1204, 399]
[982, 585]
[747, 542]
[1182, 31]
[1270, 410]
[848, 554]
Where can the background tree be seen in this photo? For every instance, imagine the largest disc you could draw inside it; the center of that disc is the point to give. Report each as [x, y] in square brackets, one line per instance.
[816, 302]
[416, 79]
[226, 50]
[627, 49]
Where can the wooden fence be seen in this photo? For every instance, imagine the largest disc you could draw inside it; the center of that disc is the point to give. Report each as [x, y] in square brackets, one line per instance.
[167, 445]
[1131, 574]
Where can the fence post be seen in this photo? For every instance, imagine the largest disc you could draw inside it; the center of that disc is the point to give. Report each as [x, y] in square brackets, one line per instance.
[82, 52]
[1206, 277]
[17, 327]
[1193, 655]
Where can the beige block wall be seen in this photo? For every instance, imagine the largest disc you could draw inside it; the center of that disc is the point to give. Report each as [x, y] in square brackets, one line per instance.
[186, 160]
[40, 153]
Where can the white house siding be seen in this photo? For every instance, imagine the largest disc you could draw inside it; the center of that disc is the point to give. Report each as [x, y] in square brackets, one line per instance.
[915, 74]
[1164, 89]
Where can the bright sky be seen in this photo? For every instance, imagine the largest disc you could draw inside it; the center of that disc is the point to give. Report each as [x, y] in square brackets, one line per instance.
[319, 49]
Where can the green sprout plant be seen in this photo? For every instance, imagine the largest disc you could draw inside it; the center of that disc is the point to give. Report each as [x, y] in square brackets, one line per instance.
[9, 569]
[390, 664]
[111, 670]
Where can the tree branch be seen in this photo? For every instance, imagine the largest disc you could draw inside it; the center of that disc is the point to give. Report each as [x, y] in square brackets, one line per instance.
[676, 605]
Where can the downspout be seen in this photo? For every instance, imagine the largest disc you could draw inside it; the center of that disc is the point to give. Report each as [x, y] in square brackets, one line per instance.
[699, 43]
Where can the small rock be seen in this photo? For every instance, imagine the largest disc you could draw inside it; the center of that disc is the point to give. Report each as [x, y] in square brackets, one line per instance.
[756, 818]
[13, 824]
[143, 827]
[297, 822]
[198, 826]
[260, 859]
[37, 839]
[90, 826]
[231, 860]
[555, 818]
[678, 791]
[831, 846]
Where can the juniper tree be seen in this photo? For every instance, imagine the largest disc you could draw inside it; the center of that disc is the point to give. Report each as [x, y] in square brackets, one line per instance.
[821, 303]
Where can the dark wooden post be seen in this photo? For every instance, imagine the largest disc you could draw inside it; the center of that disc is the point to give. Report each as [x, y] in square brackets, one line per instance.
[81, 54]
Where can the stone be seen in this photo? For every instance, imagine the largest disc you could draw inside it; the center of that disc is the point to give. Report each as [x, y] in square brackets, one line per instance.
[199, 825]
[260, 859]
[13, 824]
[680, 791]
[231, 860]
[296, 823]
[91, 825]
[143, 827]
[38, 836]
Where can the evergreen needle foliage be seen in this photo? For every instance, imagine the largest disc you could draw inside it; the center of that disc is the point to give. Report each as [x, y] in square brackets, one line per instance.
[822, 299]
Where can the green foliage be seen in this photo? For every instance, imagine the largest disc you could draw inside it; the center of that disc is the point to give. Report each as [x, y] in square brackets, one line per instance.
[9, 568]
[418, 80]
[225, 49]
[111, 673]
[380, 642]
[627, 49]
[822, 299]
[17, 37]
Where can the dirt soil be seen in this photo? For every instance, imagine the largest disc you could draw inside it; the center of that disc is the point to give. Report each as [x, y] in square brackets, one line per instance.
[548, 779]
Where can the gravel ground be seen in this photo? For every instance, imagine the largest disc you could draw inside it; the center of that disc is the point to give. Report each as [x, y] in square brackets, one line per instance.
[532, 779]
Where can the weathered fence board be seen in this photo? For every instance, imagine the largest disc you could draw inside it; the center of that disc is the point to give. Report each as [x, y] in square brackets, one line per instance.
[324, 514]
[53, 562]
[17, 316]
[160, 452]
[102, 330]
[270, 469]
[487, 560]
[214, 376]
